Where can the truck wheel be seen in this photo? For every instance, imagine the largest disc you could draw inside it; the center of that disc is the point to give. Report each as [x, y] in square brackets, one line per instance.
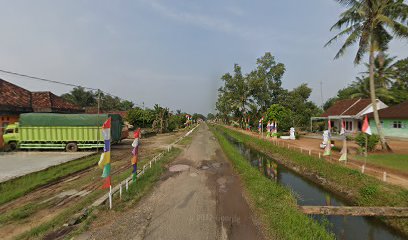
[71, 147]
[12, 146]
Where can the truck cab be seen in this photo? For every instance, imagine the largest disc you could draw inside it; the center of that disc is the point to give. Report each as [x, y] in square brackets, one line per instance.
[10, 136]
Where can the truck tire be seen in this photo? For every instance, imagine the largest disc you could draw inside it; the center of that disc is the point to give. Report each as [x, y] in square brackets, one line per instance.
[71, 147]
[12, 146]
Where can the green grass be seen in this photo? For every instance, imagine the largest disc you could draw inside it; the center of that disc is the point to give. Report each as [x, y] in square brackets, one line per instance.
[275, 203]
[19, 213]
[363, 190]
[393, 161]
[136, 191]
[56, 222]
[151, 176]
[15, 188]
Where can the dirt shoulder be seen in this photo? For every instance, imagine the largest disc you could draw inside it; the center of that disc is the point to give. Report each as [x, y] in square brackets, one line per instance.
[199, 197]
[43, 204]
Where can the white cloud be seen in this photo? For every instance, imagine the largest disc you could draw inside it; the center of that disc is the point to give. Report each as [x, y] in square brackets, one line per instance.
[205, 21]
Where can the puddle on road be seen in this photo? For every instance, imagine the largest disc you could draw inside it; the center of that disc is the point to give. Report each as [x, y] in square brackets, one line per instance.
[179, 168]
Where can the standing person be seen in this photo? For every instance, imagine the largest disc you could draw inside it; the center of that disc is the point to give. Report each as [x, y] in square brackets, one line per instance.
[135, 152]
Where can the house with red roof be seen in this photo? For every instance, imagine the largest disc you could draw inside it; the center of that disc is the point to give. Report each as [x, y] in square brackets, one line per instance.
[15, 100]
[394, 121]
[351, 111]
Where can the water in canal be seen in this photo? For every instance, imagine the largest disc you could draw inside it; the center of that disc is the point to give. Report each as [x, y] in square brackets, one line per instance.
[310, 194]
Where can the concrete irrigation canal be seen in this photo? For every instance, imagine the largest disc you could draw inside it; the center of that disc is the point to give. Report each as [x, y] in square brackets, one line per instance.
[311, 194]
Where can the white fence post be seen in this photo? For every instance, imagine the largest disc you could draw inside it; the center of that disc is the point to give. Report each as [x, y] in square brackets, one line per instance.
[363, 168]
[385, 176]
[120, 191]
[110, 197]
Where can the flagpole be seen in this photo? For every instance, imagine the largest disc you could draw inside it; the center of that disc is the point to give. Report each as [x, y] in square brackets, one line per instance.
[366, 146]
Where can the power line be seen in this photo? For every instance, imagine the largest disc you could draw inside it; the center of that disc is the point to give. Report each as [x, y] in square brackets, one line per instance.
[45, 80]
[62, 83]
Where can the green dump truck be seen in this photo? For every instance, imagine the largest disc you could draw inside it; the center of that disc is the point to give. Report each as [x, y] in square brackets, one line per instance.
[61, 131]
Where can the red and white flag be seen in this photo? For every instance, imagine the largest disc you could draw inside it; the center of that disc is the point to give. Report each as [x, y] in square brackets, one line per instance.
[343, 128]
[366, 126]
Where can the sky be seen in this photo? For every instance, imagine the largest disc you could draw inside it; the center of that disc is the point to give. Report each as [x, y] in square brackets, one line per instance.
[172, 52]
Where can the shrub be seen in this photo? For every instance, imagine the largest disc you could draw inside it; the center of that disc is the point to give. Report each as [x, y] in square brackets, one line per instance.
[372, 141]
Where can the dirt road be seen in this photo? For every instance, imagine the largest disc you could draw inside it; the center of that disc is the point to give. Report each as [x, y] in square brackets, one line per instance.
[199, 197]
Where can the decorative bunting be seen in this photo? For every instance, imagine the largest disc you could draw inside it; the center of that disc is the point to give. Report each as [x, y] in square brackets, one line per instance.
[135, 152]
[104, 161]
[106, 170]
[366, 126]
[107, 183]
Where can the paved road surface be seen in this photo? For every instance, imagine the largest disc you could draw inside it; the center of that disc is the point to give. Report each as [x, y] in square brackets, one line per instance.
[198, 198]
[16, 164]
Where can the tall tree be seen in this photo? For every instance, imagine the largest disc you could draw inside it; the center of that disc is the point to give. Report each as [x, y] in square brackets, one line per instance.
[162, 115]
[302, 109]
[236, 90]
[80, 97]
[362, 90]
[384, 70]
[371, 23]
[266, 81]
[401, 74]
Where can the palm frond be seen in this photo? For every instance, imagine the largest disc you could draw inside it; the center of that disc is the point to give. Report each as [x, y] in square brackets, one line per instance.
[352, 38]
[344, 32]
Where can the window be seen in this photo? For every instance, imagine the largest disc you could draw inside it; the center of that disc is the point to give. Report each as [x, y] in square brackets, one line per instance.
[397, 124]
[8, 131]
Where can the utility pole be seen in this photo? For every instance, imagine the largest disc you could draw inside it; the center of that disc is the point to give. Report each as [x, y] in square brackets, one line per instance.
[144, 112]
[321, 93]
[99, 106]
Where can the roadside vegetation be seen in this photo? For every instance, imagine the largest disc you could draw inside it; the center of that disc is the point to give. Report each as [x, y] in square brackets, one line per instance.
[274, 203]
[244, 98]
[352, 185]
[15, 188]
[393, 161]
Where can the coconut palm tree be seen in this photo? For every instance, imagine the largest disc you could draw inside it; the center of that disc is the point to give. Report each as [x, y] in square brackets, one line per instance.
[362, 88]
[371, 24]
[384, 70]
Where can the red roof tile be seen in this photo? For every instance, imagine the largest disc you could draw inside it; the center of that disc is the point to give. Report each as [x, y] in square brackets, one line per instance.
[14, 96]
[358, 107]
[17, 99]
[347, 107]
[49, 100]
[399, 111]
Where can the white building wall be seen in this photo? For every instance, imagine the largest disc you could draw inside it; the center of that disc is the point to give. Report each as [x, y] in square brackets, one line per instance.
[369, 109]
